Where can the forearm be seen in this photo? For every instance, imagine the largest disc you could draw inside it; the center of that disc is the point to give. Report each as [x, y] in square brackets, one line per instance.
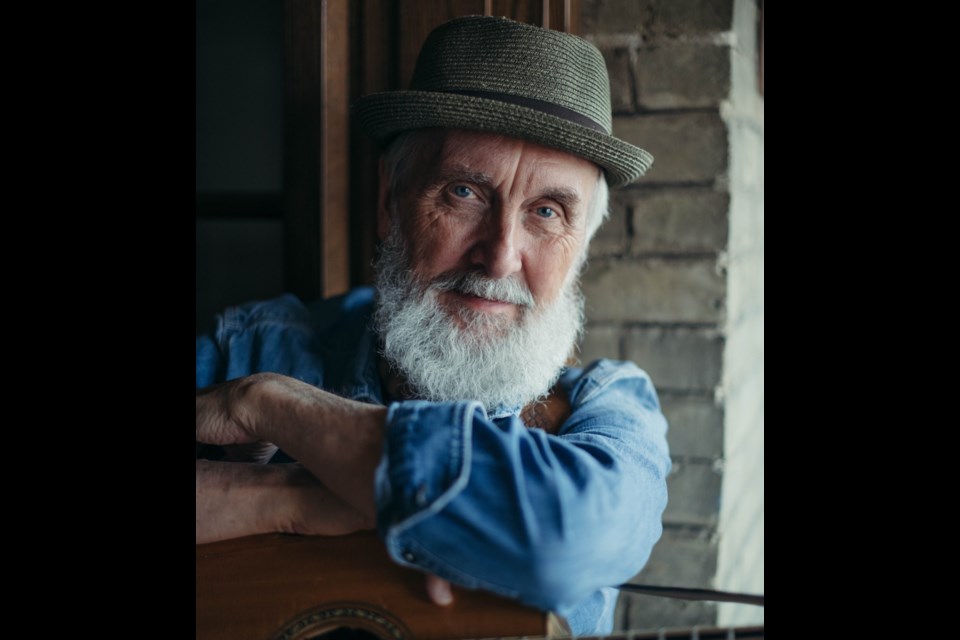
[339, 440]
[239, 499]
[534, 509]
[231, 499]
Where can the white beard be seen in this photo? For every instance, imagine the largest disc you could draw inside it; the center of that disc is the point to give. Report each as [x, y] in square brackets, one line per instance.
[504, 363]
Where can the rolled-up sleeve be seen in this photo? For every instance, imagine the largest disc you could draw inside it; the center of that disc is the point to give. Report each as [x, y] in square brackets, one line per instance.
[210, 362]
[547, 519]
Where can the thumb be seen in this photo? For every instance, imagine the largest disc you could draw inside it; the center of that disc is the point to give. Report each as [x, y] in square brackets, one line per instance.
[439, 590]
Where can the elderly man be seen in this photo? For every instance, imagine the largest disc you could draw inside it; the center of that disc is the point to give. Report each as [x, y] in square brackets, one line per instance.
[442, 407]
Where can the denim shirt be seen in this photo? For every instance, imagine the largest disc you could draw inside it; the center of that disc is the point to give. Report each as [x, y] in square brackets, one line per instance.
[481, 500]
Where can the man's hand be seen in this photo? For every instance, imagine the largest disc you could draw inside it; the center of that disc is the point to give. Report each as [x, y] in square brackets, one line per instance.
[259, 452]
[439, 590]
[338, 440]
[224, 412]
[237, 499]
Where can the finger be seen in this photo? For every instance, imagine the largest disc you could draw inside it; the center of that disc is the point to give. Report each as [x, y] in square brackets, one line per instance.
[217, 410]
[439, 590]
[260, 452]
[211, 421]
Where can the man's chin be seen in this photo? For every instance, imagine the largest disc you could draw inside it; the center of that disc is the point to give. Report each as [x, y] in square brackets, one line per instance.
[481, 326]
[465, 308]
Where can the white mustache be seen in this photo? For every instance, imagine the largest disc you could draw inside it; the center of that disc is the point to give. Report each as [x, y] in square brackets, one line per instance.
[510, 290]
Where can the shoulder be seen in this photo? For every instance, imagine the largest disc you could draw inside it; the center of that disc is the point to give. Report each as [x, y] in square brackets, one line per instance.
[320, 342]
[290, 312]
[615, 401]
[601, 377]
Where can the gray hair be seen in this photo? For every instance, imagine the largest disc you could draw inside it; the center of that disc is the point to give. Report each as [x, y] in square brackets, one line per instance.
[407, 146]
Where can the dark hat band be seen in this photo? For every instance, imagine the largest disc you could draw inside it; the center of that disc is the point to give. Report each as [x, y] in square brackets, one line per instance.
[538, 105]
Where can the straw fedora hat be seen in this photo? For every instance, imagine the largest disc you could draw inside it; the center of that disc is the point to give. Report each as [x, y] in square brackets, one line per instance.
[494, 74]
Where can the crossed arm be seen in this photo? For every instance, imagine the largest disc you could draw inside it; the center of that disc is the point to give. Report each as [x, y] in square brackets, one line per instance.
[533, 508]
[338, 443]
[336, 439]
[236, 499]
[330, 491]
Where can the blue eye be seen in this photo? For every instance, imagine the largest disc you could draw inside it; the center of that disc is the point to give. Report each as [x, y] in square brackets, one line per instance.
[462, 191]
[546, 212]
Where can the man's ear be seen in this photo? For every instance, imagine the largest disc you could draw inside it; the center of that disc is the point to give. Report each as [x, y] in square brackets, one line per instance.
[383, 202]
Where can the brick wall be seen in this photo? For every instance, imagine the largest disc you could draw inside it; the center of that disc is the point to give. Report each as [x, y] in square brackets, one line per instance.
[675, 278]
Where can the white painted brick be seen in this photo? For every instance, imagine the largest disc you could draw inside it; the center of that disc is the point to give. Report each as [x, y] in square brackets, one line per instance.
[648, 613]
[621, 78]
[611, 238]
[696, 425]
[746, 155]
[601, 341]
[745, 76]
[740, 563]
[678, 220]
[693, 494]
[682, 74]
[662, 18]
[746, 26]
[677, 359]
[744, 351]
[740, 560]
[683, 557]
[746, 224]
[653, 290]
[684, 56]
[687, 147]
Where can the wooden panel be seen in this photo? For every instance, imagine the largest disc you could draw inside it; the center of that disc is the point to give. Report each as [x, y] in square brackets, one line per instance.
[253, 587]
[335, 147]
[561, 15]
[418, 19]
[266, 205]
[374, 69]
[316, 152]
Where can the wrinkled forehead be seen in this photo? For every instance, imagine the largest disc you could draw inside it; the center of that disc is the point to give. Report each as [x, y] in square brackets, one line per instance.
[495, 156]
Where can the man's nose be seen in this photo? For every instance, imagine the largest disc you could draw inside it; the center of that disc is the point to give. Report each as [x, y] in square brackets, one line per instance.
[498, 249]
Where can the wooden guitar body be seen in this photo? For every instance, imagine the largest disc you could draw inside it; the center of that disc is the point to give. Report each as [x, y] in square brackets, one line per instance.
[276, 586]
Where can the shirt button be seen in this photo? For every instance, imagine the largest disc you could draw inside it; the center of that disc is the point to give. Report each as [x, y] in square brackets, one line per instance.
[409, 557]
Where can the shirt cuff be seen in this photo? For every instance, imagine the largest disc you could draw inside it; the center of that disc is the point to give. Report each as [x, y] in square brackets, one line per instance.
[425, 465]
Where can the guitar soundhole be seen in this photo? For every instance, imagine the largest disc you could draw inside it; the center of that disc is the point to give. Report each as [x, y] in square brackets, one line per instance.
[346, 633]
[344, 621]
